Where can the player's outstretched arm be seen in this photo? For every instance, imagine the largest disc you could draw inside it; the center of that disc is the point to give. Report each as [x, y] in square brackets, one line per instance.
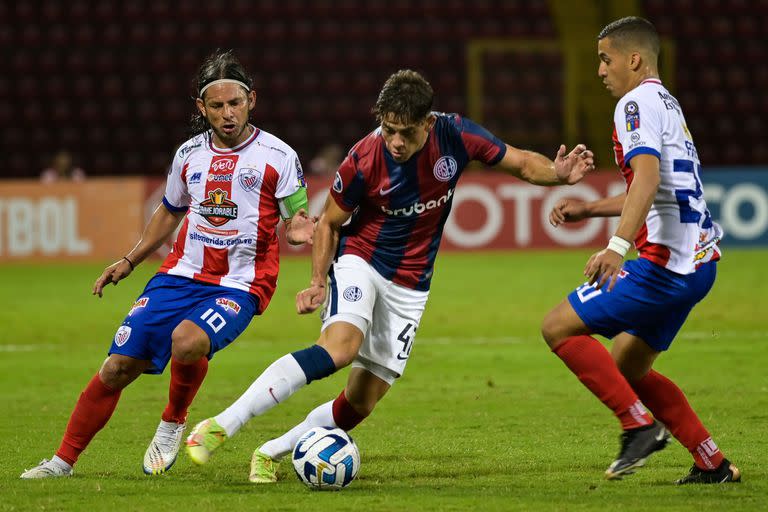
[535, 168]
[158, 229]
[574, 210]
[604, 267]
[326, 240]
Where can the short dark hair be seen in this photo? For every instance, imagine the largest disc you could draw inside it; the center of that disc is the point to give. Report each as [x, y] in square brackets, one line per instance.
[406, 95]
[220, 64]
[632, 30]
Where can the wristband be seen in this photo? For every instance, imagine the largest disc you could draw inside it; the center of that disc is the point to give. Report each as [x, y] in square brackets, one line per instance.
[618, 245]
[129, 262]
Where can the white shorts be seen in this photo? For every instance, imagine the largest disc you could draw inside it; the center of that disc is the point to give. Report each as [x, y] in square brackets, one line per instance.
[387, 313]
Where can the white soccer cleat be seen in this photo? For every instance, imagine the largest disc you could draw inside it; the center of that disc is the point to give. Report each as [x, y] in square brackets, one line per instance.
[46, 469]
[162, 451]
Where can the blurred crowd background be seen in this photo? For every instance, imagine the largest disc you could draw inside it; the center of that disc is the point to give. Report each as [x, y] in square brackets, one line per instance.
[110, 82]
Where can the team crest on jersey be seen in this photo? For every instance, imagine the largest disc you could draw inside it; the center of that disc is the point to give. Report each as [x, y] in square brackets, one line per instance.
[632, 116]
[338, 185]
[122, 335]
[353, 293]
[217, 209]
[445, 168]
[249, 178]
[228, 304]
[140, 303]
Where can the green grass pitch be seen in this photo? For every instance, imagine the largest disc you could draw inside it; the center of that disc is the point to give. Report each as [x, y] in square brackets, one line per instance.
[485, 417]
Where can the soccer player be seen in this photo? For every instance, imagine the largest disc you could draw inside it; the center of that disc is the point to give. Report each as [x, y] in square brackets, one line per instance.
[373, 257]
[229, 184]
[642, 303]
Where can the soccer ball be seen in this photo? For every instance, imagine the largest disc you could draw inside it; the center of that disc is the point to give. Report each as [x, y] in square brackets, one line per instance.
[326, 458]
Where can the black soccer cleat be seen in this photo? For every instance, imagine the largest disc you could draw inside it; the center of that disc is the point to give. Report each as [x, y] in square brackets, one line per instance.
[725, 472]
[636, 446]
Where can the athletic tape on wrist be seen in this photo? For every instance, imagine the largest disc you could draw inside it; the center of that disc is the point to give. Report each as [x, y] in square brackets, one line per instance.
[619, 245]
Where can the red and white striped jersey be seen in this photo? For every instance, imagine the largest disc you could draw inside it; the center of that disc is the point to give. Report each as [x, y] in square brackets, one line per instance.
[679, 233]
[228, 236]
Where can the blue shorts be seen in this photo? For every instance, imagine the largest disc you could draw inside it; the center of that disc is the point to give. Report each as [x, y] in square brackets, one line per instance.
[223, 313]
[647, 301]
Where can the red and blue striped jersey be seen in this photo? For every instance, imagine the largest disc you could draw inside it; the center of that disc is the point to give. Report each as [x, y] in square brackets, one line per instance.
[400, 208]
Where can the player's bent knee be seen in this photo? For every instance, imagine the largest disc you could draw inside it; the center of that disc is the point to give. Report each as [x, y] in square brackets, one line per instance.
[189, 342]
[118, 371]
[551, 329]
[342, 342]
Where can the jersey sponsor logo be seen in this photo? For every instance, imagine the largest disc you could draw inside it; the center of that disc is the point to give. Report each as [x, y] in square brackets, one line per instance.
[249, 178]
[218, 178]
[632, 116]
[228, 304]
[217, 209]
[353, 293]
[338, 185]
[220, 232]
[418, 208]
[383, 192]
[670, 103]
[122, 335]
[223, 165]
[445, 168]
[140, 303]
[188, 149]
[220, 242]
[195, 178]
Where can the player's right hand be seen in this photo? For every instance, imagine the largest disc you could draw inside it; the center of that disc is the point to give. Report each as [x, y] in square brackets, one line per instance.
[112, 274]
[309, 299]
[568, 210]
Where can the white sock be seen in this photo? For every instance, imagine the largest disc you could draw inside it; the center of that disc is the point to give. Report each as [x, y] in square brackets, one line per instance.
[279, 381]
[61, 462]
[321, 416]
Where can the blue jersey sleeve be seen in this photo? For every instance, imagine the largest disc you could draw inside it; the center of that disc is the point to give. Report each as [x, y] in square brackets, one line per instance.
[480, 144]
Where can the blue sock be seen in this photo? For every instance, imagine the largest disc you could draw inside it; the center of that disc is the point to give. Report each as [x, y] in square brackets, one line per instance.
[315, 361]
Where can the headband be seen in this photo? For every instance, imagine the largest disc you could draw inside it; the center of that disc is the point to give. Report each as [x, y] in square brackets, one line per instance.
[224, 81]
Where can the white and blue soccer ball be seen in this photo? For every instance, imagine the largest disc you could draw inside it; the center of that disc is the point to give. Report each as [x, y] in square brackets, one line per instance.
[326, 458]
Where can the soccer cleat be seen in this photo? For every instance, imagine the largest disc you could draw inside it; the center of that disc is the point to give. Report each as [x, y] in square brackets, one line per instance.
[636, 446]
[263, 468]
[725, 472]
[162, 451]
[205, 438]
[46, 469]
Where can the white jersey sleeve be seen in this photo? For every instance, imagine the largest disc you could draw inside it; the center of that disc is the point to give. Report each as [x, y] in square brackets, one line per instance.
[177, 196]
[291, 176]
[638, 127]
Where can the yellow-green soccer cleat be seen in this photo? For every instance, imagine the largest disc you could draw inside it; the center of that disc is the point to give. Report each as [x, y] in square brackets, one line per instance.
[205, 438]
[263, 468]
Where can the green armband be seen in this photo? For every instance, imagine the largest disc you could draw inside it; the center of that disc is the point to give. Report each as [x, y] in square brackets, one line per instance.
[291, 204]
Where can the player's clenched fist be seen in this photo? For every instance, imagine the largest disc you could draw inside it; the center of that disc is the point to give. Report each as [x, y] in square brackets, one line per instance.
[568, 210]
[309, 299]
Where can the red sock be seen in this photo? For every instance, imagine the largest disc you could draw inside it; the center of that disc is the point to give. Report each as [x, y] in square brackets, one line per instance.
[186, 379]
[668, 403]
[95, 406]
[593, 365]
[345, 416]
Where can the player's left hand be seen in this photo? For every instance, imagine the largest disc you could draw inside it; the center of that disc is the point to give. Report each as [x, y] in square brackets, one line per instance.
[572, 168]
[114, 273]
[604, 267]
[300, 228]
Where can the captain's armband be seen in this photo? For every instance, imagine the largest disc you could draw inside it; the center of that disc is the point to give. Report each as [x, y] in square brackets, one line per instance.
[291, 204]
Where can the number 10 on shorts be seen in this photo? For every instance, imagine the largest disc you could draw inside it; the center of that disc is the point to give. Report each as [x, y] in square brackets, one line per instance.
[215, 320]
